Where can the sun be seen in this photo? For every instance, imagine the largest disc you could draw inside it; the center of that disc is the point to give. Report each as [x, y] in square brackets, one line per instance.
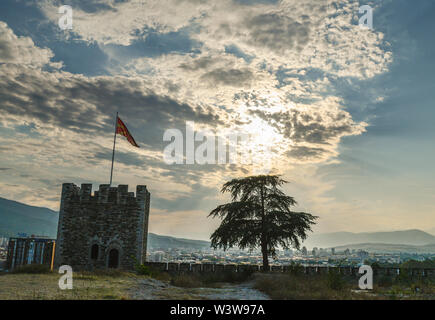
[265, 144]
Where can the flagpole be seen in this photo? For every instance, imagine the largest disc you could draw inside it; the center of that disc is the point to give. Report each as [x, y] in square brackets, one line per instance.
[113, 153]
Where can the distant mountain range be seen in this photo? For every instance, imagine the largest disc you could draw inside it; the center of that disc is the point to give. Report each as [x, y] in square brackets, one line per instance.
[388, 248]
[16, 217]
[156, 241]
[406, 237]
[431, 231]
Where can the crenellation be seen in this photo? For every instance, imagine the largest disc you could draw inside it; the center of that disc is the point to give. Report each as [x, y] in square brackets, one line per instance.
[69, 190]
[123, 188]
[103, 193]
[141, 193]
[112, 195]
[85, 192]
[182, 268]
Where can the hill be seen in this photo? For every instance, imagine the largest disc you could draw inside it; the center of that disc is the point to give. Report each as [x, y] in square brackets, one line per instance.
[431, 231]
[406, 237]
[388, 248]
[156, 241]
[18, 217]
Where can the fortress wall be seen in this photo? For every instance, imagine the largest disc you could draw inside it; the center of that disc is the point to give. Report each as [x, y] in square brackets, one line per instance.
[313, 270]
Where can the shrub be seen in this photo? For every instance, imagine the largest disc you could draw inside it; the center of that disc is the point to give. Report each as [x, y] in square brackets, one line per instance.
[294, 287]
[32, 268]
[151, 272]
[143, 270]
[295, 269]
[403, 278]
[186, 281]
[384, 281]
[232, 277]
[160, 275]
[334, 280]
[114, 273]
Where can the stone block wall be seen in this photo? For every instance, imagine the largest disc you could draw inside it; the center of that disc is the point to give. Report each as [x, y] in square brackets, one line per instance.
[106, 229]
[175, 267]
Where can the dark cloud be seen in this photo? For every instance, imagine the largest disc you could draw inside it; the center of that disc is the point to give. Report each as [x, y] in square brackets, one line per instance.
[5, 50]
[231, 77]
[227, 76]
[198, 64]
[89, 6]
[255, 2]
[310, 126]
[277, 32]
[89, 104]
[303, 153]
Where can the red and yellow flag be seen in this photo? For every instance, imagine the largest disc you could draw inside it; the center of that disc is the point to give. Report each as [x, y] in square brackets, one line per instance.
[122, 130]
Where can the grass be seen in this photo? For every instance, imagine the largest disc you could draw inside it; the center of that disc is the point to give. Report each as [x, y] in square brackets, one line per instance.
[405, 287]
[333, 286]
[38, 283]
[35, 282]
[304, 287]
[29, 285]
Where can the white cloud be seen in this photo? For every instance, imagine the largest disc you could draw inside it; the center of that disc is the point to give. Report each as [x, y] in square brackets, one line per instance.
[22, 50]
[119, 24]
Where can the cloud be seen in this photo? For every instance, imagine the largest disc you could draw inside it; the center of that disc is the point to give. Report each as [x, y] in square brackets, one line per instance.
[231, 77]
[90, 6]
[150, 43]
[277, 32]
[82, 104]
[323, 35]
[118, 22]
[21, 50]
[310, 133]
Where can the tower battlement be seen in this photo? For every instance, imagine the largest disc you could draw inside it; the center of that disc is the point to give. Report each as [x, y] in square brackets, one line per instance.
[107, 228]
[104, 194]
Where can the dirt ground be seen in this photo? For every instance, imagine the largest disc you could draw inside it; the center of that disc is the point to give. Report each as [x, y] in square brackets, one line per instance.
[127, 286]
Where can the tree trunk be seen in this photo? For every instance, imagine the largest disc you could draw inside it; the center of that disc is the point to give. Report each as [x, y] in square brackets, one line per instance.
[265, 255]
[263, 235]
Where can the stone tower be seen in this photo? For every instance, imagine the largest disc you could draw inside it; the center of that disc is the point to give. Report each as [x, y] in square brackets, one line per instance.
[107, 229]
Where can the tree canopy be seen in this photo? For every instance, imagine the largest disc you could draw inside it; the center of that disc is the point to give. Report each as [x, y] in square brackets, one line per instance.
[259, 215]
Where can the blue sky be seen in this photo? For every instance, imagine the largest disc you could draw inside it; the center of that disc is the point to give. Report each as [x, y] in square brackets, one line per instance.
[347, 111]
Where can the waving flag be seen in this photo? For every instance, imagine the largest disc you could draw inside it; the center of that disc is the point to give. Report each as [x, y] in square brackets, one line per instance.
[122, 130]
